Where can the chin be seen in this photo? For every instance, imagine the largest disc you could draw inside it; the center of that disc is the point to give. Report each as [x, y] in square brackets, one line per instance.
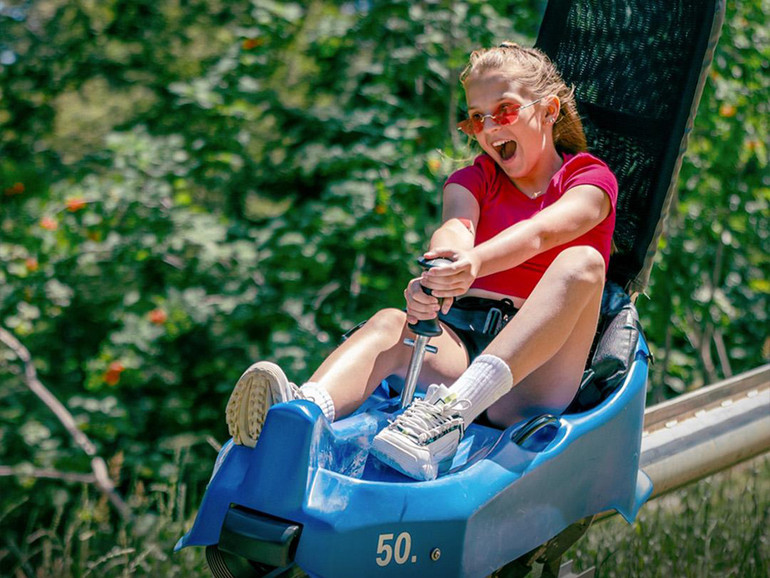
[513, 169]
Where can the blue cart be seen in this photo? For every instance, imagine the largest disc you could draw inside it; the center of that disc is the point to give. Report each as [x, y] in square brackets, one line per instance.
[310, 494]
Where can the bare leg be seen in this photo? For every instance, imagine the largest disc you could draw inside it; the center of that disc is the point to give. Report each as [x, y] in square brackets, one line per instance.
[345, 379]
[535, 363]
[547, 343]
[355, 369]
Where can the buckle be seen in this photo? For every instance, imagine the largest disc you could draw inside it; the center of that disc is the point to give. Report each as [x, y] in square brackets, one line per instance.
[493, 321]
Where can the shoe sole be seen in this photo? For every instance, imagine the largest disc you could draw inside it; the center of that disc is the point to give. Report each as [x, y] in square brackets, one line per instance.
[261, 386]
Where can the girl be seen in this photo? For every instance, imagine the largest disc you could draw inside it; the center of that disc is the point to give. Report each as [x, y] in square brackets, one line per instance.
[528, 229]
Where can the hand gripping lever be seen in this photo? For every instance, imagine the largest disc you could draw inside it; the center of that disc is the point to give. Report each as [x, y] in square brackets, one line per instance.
[423, 330]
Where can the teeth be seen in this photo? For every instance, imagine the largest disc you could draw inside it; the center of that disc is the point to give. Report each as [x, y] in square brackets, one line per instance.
[500, 143]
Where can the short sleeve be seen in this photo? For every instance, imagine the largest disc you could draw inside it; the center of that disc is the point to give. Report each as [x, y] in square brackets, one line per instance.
[586, 169]
[475, 177]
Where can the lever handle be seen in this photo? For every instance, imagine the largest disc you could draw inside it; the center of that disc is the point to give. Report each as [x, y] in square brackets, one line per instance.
[429, 327]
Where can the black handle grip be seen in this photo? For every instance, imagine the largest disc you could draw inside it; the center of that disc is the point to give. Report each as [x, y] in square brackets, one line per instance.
[429, 327]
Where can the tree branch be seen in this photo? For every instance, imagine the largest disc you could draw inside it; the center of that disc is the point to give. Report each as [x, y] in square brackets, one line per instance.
[724, 358]
[99, 468]
[21, 471]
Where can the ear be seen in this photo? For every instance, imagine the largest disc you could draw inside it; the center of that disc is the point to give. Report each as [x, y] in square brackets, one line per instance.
[552, 108]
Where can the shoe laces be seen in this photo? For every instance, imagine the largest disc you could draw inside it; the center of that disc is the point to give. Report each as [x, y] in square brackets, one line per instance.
[296, 391]
[426, 421]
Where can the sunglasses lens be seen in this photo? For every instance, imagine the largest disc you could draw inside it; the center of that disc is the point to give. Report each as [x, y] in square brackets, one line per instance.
[468, 127]
[506, 114]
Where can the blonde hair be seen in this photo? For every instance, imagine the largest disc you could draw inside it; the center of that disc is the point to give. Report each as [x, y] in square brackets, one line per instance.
[535, 71]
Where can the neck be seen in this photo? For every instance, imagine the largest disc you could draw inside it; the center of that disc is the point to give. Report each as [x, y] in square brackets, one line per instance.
[537, 184]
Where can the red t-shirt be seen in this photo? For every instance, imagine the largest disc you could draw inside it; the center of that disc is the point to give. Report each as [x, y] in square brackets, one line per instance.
[502, 204]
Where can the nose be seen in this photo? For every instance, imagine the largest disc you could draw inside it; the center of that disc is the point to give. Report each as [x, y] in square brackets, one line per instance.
[488, 117]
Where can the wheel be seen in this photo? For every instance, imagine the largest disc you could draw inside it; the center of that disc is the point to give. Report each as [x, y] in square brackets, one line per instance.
[549, 556]
[224, 565]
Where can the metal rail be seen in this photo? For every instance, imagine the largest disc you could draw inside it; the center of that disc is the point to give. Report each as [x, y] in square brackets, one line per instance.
[704, 432]
[707, 431]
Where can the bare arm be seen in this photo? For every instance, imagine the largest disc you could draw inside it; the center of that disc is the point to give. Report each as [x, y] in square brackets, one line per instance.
[578, 211]
[458, 231]
[459, 205]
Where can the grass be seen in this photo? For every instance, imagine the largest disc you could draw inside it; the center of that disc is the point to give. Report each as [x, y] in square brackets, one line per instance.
[714, 528]
[80, 535]
[717, 527]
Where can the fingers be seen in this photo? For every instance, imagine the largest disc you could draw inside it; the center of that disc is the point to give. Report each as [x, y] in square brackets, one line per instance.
[446, 305]
[447, 284]
[450, 290]
[419, 305]
[441, 252]
[454, 279]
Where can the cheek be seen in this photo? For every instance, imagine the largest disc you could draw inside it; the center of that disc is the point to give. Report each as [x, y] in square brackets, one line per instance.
[487, 148]
[534, 142]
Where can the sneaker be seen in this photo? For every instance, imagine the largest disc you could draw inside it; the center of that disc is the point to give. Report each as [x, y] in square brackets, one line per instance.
[425, 436]
[260, 387]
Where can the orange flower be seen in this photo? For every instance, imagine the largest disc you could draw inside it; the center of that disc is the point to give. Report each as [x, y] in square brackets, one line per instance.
[251, 43]
[75, 204]
[49, 223]
[112, 375]
[15, 189]
[727, 110]
[32, 264]
[157, 316]
[117, 366]
[434, 165]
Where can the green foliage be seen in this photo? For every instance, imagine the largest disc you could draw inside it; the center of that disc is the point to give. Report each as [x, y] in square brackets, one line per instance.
[127, 292]
[76, 536]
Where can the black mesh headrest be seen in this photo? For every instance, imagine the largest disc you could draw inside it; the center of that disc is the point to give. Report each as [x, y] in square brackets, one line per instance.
[638, 67]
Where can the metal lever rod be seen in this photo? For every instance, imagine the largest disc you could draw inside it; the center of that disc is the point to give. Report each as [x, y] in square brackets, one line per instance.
[423, 330]
[415, 366]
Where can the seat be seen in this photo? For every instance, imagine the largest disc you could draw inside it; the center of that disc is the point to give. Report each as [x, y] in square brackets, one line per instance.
[638, 68]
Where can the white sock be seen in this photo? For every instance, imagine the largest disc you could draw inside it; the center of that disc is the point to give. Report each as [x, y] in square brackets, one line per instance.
[319, 396]
[485, 381]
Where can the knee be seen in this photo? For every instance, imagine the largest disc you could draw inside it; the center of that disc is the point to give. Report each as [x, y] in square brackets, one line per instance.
[388, 321]
[582, 265]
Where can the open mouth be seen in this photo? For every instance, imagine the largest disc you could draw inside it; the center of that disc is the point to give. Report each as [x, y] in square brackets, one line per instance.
[506, 149]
